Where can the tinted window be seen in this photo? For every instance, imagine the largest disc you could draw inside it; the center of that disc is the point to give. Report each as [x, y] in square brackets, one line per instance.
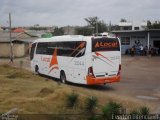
[51, 47]
[125, 40]
[42, 48]
[70, 49]
[105, 44]
[32, 50]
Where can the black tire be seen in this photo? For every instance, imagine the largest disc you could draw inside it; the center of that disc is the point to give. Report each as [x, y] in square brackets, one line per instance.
[37, 69]
[63, 77]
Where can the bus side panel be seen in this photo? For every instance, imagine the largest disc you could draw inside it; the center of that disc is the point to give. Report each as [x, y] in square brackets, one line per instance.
[64, 64]
[88, 59]
[79, 69]
[74, 68]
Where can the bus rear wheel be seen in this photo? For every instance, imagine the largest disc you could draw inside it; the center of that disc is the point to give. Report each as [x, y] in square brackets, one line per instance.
[63, 77]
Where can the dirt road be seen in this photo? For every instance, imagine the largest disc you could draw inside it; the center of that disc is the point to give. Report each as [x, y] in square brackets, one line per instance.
[140, 79]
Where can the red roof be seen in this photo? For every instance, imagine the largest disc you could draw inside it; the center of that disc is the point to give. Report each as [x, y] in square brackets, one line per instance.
[18, 30]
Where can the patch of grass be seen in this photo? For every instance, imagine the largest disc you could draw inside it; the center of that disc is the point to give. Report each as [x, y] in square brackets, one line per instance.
[45, 91]
[18, 74]
[5, 69]
[31, 94]
[13, 72]
[142, 111]
[13, 75]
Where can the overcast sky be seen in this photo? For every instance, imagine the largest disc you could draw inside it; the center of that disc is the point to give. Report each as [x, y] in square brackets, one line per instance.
[73, 12]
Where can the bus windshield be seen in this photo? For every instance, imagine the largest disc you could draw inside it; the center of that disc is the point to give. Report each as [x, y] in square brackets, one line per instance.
[105, 44]
[32, 51]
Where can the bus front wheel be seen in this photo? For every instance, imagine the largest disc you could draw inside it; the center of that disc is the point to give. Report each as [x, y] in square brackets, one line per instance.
[63, 77]
[37, 69]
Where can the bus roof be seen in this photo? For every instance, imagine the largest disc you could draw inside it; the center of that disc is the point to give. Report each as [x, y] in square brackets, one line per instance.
[71, 37]
[61, 38]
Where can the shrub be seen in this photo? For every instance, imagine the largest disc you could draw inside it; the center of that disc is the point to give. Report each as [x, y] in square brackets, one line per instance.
[144, 111]
[93, 118]
[72, 100]
[21, 63]
[111, 109]
[134, 113]
[91, 103]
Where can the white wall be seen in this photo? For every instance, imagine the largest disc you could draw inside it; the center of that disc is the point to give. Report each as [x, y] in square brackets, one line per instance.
[18, 50]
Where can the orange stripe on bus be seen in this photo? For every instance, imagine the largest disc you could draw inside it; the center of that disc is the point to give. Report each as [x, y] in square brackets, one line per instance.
[54, 60]
[54, 68]
[80, 46]
[98, 54]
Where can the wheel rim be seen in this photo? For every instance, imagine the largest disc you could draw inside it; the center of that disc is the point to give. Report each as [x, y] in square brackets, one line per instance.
[36, 70]
[63, 78]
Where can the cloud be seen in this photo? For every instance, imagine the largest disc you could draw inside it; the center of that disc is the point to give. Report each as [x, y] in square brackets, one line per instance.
[73, 12]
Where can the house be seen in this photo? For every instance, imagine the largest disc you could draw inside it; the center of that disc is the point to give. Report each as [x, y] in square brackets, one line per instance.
[18, 30]
[125, 25]
[69, 30]
[130, 34]
[20, 43]
[144, 37]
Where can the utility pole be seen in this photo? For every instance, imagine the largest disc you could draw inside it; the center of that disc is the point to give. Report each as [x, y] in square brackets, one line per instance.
[10, 38]
[148, 42]
[68, 30]
[109, 26]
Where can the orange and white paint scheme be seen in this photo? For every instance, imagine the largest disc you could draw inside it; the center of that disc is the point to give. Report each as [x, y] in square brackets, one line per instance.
[78, 59]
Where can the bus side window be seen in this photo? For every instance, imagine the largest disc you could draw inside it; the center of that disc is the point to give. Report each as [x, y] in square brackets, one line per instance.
[68, 49]
[42, 48]
[80, 47]
[51, 47]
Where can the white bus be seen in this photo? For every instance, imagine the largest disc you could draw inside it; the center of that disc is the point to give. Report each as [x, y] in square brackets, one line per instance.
[78, 59]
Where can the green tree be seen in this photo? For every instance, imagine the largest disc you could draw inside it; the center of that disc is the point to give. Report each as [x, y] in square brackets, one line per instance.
[115, 27]
[97, 24]
[58, 31]
[154, 25]
[85, 30]
[93, 24]
[123, 20]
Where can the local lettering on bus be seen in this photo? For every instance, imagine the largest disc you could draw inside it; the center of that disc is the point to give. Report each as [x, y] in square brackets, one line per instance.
[106, 44]
[44, 59]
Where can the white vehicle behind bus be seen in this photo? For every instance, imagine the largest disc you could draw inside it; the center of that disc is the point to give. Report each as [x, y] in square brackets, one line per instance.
[78, 59]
